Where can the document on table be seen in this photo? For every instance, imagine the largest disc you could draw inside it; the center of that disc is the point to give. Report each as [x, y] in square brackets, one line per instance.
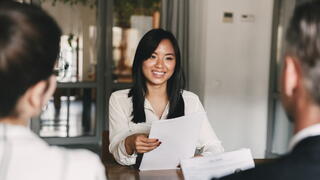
[178, 139]
[216, 166]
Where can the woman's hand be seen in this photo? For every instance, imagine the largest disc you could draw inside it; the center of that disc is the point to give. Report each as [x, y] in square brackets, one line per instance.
[140, 143]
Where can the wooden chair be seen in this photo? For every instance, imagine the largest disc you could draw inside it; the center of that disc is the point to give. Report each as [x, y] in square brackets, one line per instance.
[106, 155]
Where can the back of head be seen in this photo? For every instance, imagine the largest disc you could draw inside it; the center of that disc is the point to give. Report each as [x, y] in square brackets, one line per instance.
[303, 38]
[29, 46]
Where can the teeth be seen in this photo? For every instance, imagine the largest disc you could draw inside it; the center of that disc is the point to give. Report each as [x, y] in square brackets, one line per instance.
[158, 73]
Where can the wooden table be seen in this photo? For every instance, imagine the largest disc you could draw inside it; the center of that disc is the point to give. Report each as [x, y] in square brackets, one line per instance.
[118, 172]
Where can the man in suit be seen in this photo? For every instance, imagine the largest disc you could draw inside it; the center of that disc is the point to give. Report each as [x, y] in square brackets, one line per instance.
[300, 95]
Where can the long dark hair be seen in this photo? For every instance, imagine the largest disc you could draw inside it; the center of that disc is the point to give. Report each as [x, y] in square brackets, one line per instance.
[175, 85]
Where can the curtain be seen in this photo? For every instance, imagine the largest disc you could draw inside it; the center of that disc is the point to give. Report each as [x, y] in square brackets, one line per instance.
[175, 18]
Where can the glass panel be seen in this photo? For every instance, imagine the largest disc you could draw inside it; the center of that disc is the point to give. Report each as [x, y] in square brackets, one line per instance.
[132, 19]
[70, 113]
[78, 57]
[286, 10]
[283, 130]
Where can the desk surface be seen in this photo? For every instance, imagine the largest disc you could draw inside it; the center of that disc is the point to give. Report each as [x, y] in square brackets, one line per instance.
[116, 172]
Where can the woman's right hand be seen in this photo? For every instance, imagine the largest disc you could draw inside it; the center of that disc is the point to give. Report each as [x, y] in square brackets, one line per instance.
[140, 143]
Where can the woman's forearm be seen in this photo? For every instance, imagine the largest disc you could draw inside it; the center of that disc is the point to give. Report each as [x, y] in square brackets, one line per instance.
[128, 145]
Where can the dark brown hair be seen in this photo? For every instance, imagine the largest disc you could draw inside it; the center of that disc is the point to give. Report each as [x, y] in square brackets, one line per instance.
[29, 46]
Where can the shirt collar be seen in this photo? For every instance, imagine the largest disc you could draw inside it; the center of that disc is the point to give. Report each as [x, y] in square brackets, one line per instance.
[165, 112]
[147, 105]
[310, 131]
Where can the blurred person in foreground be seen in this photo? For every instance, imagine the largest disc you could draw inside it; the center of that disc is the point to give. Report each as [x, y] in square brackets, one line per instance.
[29, 46]
[300, 95]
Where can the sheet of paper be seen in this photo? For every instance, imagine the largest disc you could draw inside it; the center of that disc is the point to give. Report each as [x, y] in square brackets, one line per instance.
[178, 138]
[217, 165]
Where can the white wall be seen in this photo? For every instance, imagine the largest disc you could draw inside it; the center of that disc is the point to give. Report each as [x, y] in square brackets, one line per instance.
[230, 69]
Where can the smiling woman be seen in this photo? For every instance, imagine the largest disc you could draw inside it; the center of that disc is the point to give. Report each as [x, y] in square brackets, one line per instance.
[157, 94]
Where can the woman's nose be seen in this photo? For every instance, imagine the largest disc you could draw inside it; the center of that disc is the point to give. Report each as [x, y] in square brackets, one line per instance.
[159, 63]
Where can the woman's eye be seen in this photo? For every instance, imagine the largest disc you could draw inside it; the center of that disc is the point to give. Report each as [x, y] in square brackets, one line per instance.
[169, 58]
[153, 57]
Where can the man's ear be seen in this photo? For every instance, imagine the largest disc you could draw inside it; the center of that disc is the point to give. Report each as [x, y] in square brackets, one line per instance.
[292, 76]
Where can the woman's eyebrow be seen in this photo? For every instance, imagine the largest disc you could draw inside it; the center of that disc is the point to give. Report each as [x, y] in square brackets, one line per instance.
[172, 54]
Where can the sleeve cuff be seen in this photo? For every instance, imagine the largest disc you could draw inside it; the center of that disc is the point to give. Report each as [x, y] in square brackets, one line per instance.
[125, 158]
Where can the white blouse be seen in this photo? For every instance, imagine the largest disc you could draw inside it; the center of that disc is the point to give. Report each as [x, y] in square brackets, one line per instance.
[121, 126]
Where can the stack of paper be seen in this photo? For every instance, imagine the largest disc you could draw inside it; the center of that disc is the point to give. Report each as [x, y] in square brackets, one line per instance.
[216, 166]
[178, 141]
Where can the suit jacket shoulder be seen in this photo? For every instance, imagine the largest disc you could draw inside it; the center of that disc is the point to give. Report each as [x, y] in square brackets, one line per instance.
[302, 163]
